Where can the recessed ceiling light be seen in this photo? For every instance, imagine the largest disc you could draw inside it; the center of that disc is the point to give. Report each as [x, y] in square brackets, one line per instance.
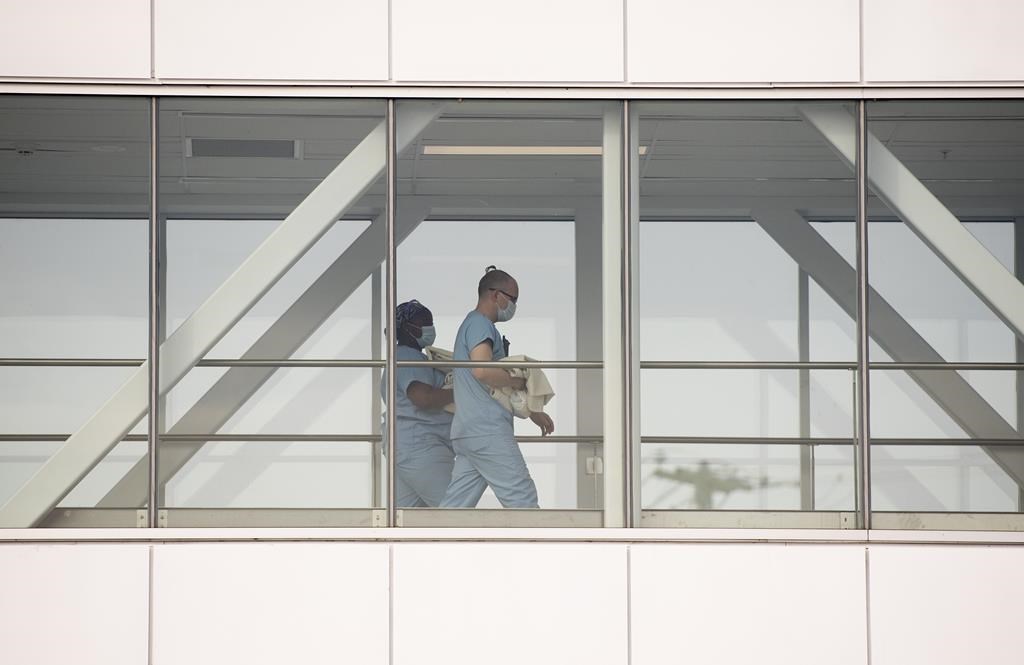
[251, 148]
[521, 150]
[107, 148]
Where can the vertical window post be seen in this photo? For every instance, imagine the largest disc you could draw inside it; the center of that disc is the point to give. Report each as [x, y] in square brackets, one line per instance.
[863, 373]
[390, 161]
[154, 318]
[1018, 267]
[612, 313]
[631, 300]
[619, 224]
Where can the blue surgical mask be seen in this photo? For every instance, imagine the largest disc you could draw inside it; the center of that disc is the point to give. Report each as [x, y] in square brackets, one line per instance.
[427, 336]
[508, 312]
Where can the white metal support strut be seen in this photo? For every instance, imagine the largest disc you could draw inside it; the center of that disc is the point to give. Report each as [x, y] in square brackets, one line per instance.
[922, 211]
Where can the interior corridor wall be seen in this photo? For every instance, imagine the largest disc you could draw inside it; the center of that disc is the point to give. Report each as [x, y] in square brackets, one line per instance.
[463, 602]
[745, 43]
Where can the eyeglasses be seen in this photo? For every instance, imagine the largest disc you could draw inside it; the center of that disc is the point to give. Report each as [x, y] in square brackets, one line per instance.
[506, 294]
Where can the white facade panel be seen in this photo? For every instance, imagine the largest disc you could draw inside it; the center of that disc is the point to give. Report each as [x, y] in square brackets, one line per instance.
[768, 604]
[946, 604]
[301, 40]
[928, 41]
[526, 41]
[270, 603]
[83, 604]
[743, 41]
[509, 603]
[75, 39]
[460, 602]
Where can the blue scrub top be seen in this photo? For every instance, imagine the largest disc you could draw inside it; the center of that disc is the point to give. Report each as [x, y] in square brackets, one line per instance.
[476, 412]
[416, 425]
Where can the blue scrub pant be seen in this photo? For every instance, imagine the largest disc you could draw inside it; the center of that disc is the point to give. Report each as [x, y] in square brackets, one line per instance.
[423, 474]
[490, 460]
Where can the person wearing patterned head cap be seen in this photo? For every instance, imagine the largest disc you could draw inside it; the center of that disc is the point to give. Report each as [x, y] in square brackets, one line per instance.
[486, 450]
[424, 457]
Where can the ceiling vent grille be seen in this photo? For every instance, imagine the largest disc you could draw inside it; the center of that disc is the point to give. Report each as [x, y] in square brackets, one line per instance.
[248, 148]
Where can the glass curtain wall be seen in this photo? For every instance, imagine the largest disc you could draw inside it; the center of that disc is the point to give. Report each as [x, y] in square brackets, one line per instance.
[74, 209]
[946, 268]
[272, 245]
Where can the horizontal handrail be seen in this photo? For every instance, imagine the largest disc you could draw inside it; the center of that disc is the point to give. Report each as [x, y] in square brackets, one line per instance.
[946, 442]
[551, 438]
[43, 438]
[27, 438]
[206, 362]
[505, 364]
[807, 441]
[70, 362]
[296, 362]
[743, 364]
[748, 440]
[258, 438]
[558, 438]
[299, 362]
[539, 364]
[946, 366]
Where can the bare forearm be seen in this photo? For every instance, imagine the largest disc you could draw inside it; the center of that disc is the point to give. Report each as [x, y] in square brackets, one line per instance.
[494, 377]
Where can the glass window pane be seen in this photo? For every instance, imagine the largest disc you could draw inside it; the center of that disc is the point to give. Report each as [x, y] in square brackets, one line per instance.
[746, 256]
[273, 213]
[74, 208]
[516, 185]
[951, 170]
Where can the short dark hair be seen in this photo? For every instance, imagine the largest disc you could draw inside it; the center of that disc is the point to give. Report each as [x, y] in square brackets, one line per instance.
[493, 279]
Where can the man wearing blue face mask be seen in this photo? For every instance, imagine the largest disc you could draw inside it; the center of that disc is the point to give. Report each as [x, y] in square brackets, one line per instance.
[424, 455]
[486, 451]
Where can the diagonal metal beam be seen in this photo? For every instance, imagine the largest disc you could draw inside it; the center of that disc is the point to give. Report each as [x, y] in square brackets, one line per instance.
[345, 185]
[922, 211]
[281, 340]
[894, 334]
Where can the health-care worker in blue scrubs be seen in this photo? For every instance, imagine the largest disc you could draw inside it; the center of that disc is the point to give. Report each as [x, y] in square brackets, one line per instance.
[486, 451]
[424, 455]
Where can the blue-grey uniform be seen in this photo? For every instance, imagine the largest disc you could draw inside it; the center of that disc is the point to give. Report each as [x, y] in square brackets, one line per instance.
[424, 448]
[486, 452]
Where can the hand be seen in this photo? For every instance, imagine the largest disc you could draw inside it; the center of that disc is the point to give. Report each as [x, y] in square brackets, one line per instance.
[518, 383]
[543, 421]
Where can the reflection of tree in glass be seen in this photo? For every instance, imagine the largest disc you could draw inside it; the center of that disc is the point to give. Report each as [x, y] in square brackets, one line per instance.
[707, 482]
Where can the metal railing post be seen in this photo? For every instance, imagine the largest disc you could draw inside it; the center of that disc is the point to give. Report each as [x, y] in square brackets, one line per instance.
[804, 390]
